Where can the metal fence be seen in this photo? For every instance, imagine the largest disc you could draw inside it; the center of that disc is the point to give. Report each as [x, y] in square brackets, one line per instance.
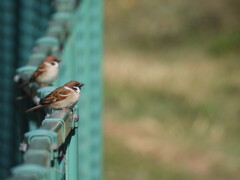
[61, 145]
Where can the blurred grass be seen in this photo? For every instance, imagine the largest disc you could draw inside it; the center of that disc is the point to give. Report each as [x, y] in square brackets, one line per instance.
[156, 24]
[152, 102]
[225, 44]
[194, 102]
[172, 89]
[125, 164]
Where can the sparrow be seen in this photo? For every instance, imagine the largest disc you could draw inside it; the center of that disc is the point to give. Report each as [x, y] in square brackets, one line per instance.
[46, 73]
[62, 98]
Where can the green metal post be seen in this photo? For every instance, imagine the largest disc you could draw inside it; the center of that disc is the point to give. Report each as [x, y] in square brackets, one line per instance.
[7, 120]
[72, 158]
[82, 57]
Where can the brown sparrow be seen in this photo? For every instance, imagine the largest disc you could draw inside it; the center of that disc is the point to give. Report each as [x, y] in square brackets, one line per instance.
[63, 98]
[46, 73]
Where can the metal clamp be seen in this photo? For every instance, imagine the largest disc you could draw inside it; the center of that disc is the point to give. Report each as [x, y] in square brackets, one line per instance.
[62, 131]
[46, 45]
[30, 171]
[52, 136]
[25, 72]
[36, 58]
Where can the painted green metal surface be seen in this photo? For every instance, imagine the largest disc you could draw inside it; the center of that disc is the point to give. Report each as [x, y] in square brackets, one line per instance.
[72, 158]
[21, 22]
[32, 21]
[82, 60]
[7, 120]
[31, 171]
[78, 32]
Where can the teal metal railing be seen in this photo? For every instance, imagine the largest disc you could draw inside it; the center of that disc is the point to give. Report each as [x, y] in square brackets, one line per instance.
[21, 23]
[65, 145]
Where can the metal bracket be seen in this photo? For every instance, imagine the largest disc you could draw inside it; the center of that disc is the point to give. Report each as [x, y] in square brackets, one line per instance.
[43, 133]
[56, 31]
[41, 157]
[31, 171]
[25, 72]
[75, 117]
[62, 132]
[43, 92]
[36, 59]
[64, 5]
[62, 19]
[46, 45]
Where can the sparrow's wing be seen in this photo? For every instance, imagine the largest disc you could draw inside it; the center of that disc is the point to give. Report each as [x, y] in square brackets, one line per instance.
[57, 95]
[38, 72]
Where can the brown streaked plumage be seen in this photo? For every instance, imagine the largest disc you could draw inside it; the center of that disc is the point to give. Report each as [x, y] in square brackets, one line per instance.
[46, 73]
[64, 97]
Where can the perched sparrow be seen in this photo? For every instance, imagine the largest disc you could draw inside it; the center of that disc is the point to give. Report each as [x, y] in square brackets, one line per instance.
[46, 73]
[64, 97]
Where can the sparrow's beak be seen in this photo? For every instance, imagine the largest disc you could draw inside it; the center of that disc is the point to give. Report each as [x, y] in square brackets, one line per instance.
[59, 60]
[81, 84]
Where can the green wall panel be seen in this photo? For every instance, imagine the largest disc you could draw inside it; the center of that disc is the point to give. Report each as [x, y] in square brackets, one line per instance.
[22, 21]
[82, 61]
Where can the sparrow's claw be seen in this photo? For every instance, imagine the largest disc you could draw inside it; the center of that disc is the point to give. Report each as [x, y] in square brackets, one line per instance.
[65, 108]
[76, 117]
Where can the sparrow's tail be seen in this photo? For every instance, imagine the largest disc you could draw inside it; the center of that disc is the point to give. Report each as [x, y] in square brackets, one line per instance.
[34, 108]
[24, 84]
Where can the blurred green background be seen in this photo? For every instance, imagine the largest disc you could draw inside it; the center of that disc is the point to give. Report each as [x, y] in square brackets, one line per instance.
[172, 89]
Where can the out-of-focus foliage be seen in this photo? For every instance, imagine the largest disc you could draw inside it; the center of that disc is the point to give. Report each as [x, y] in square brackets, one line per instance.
[159, 23]
[172, 89]
[225, 44]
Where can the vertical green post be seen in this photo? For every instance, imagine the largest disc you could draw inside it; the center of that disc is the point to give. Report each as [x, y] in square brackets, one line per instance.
[22, 21]
[7, 120]
[82, 61]
[72, 158]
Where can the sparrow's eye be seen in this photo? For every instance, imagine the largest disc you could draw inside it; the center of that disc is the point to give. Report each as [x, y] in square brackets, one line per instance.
[54, 63]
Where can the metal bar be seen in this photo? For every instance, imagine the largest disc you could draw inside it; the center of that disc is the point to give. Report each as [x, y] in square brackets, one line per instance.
[56, 127]
[59, 121]
[39, 152]
[73, 162]
[83, 154]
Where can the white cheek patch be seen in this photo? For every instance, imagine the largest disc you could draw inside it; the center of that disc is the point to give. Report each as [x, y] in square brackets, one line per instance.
[68, 88]
[75, 89]
[48, 64]
[78, 90]
[56, 64]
